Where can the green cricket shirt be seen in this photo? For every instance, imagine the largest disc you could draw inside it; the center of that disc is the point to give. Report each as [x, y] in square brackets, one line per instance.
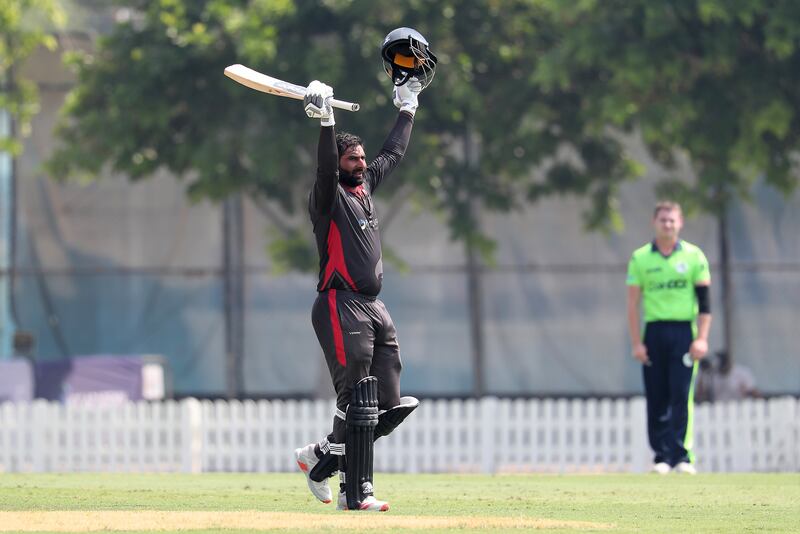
[667, 283]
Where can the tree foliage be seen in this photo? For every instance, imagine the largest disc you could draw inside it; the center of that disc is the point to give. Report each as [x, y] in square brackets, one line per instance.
[529, 100]
[710, 81]
[23, 24]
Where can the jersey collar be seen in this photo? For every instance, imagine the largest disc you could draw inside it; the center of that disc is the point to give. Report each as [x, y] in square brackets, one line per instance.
[357, 190]
[654, 248]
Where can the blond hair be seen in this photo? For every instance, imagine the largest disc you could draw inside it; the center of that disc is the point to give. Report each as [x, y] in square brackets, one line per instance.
[666, 205]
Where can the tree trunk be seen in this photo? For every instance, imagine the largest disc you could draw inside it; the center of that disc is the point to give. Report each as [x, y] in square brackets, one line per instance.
[475, 300]
[725, 279]
[474, 285]
[233, 285]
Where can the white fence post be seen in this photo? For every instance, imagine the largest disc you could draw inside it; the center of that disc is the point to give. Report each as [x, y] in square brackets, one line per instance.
[489, 413]
[794, 465]
[640, 448]
[39, 430]
[782, 414]
[191, 436]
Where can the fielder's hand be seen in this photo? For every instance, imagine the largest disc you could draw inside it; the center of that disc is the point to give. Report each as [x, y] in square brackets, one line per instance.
[317, 102]
[405, 96]
[698, 349]
[640, 353]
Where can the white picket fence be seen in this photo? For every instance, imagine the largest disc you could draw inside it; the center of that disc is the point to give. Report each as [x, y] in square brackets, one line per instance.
[489, 435]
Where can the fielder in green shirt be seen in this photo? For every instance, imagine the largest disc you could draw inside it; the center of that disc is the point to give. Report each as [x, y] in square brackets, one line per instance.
[670, 278]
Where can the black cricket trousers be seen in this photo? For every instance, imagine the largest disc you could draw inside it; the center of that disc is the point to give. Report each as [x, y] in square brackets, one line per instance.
[359, 339]
[668, 385]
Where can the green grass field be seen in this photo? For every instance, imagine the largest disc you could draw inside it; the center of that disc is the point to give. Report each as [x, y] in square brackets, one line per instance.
[420, 503]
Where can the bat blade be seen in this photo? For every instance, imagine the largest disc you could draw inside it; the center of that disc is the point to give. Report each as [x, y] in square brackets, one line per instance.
[261, 82]
[267, 84]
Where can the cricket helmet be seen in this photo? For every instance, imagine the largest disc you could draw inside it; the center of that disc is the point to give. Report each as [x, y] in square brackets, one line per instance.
[406, 54]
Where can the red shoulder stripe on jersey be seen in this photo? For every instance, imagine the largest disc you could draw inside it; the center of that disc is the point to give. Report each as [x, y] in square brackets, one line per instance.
[338, 338]
[336, 258]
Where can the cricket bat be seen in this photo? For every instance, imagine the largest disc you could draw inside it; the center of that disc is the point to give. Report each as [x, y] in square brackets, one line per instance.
[267, 84]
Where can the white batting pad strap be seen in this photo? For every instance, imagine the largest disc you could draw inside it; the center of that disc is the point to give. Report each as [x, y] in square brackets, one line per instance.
[342, 477]
[341, 415]
[337, 449]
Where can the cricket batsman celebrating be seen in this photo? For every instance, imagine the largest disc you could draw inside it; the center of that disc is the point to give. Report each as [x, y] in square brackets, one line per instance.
[352, 325]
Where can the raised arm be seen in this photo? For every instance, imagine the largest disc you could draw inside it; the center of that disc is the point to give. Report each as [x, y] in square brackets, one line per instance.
[406, 99]
[392, 152]
[317, 106]
[323, 194]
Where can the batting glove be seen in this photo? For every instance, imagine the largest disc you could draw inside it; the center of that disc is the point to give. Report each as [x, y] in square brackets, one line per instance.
[317, 102]
[405, 96]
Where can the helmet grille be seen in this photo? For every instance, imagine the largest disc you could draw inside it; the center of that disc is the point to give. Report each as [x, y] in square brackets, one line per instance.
[407, 58]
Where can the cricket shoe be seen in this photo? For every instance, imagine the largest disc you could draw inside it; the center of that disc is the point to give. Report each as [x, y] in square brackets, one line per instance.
[306, 460]
[685, 468]
[370, 504]
[661, 468]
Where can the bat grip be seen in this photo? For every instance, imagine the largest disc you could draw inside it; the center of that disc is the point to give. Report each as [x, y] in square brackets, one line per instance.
[347, 106]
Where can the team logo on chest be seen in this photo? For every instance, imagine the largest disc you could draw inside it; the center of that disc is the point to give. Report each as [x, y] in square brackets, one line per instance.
[368, 223]
[681, 267]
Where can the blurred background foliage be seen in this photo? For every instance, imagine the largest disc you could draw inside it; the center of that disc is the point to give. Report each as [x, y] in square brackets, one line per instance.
[24, 26]
[531, 98]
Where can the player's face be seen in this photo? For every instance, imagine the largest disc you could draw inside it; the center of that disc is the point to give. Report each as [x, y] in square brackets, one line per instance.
[668, 224]
[354, 161]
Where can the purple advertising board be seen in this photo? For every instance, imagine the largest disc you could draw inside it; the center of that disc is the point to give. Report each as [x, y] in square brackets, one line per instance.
[16, 380]
[102, 378]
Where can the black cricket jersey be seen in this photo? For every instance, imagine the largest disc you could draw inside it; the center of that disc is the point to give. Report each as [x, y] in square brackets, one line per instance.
[344, 218]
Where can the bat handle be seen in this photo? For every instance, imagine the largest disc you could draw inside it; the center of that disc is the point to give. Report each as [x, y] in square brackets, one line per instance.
[347, 106]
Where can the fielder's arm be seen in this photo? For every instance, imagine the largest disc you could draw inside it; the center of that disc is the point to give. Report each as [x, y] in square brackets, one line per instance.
[638, 348]
[699, 347]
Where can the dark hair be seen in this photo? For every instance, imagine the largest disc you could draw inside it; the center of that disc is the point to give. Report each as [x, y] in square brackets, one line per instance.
[346, 140]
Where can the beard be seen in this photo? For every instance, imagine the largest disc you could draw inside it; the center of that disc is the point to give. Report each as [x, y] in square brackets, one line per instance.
[349, 179]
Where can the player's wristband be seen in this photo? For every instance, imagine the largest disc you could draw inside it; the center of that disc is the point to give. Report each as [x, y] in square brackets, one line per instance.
[329, 121]
[409, 108]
